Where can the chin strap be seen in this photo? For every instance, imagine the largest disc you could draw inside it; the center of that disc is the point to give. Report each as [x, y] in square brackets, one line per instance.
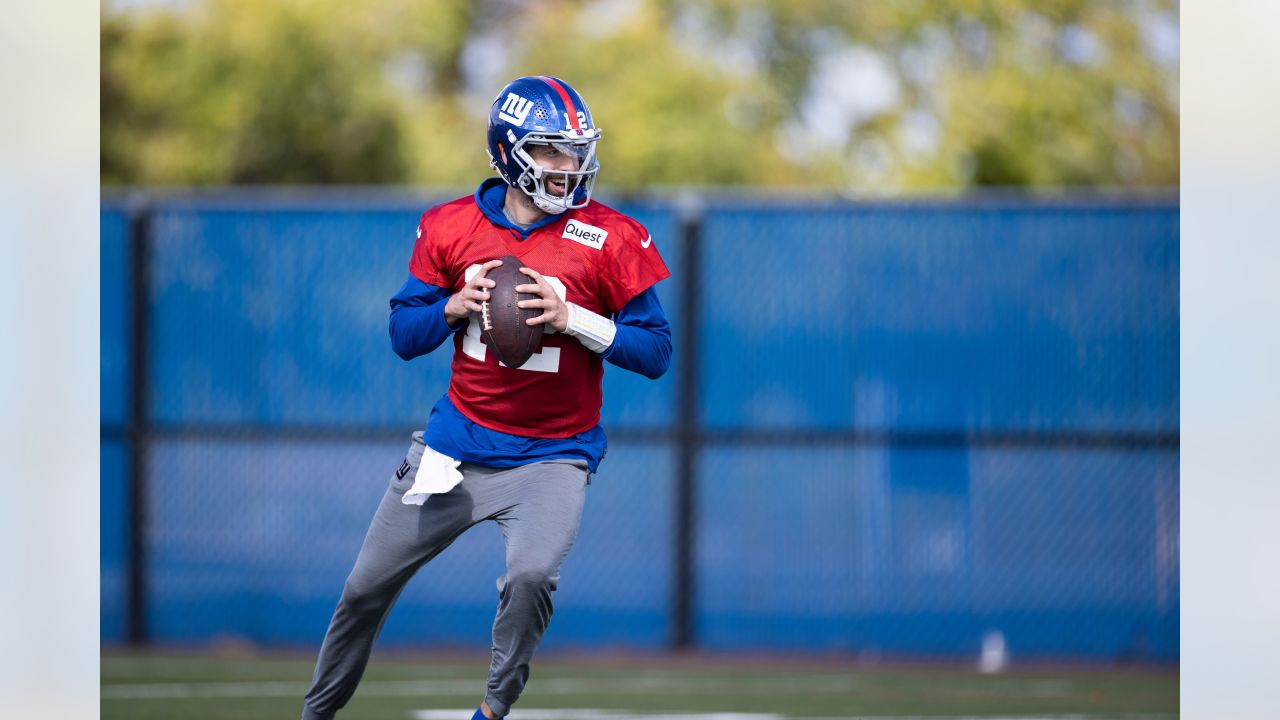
[547, 207]
[595, 332]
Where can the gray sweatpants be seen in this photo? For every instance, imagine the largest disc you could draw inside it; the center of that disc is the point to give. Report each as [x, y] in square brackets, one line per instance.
[537, 506]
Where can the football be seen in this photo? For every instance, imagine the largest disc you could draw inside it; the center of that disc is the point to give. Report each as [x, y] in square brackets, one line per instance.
[502, 322]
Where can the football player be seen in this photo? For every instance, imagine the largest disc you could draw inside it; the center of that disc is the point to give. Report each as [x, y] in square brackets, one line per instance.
[516, 446]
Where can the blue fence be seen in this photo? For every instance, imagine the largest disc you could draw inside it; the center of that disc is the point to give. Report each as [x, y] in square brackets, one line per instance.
[915, 423]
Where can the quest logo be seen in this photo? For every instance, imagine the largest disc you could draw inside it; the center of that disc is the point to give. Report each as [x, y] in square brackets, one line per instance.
[589, 235]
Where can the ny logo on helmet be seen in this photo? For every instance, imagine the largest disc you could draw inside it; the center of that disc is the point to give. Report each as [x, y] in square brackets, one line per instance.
[515, 109]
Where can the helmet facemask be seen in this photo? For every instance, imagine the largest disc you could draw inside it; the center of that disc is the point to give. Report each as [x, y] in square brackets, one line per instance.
[553, 190]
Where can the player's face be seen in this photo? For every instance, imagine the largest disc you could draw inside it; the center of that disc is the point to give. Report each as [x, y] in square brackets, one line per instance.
[562, 157]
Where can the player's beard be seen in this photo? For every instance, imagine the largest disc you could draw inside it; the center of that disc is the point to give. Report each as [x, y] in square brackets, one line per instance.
[528, 204]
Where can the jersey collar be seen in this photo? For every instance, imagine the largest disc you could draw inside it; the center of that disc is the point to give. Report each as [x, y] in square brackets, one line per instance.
[490, 197]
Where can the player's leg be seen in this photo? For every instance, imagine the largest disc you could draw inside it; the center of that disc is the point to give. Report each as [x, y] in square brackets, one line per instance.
[400, 539]
[543, 508]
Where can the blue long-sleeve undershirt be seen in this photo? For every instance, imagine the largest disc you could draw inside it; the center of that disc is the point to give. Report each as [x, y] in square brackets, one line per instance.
[641, 344]
[417, 325]
[642, 341]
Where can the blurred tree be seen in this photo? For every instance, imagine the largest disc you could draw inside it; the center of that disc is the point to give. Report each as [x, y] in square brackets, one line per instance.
[669, 116]
[884, 96]
[237, 91]
[972, 92]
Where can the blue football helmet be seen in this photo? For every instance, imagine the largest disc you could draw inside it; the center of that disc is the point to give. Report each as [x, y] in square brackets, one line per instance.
[544, 111]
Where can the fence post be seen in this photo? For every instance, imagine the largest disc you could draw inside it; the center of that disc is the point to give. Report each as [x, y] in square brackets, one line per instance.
[688, 429]
[137, 435]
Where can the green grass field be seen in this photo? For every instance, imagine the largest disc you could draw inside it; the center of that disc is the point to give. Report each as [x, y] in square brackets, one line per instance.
[146, 686]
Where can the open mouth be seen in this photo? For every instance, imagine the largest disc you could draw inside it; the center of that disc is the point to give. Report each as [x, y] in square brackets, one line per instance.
[558, 185]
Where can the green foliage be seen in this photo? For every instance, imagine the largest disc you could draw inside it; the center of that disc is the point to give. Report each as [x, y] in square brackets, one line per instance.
[902, 96]
[237, 91]
[669, 117]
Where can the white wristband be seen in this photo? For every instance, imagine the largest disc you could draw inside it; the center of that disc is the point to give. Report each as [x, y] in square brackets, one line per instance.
[594, 331]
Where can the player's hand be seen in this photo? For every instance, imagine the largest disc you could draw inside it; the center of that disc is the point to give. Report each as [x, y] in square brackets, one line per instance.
[554, 312]
[467, 300]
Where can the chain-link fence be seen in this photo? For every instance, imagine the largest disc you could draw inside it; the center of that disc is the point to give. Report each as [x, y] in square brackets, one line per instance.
[889, 428]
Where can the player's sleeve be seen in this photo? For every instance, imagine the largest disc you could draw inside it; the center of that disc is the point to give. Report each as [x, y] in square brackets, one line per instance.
[642, 340]
[631, 265]
[417, 325]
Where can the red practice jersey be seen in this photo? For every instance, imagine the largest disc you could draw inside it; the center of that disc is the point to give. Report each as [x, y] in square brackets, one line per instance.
[595, 257]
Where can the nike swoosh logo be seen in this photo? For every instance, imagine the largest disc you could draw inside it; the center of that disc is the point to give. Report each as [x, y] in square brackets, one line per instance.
[646, 242]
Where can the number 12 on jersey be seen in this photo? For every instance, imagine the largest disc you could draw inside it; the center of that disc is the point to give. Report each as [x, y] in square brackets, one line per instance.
[546, 359]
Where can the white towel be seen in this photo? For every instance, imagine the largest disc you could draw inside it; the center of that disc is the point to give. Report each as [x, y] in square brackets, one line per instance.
[437, 473]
